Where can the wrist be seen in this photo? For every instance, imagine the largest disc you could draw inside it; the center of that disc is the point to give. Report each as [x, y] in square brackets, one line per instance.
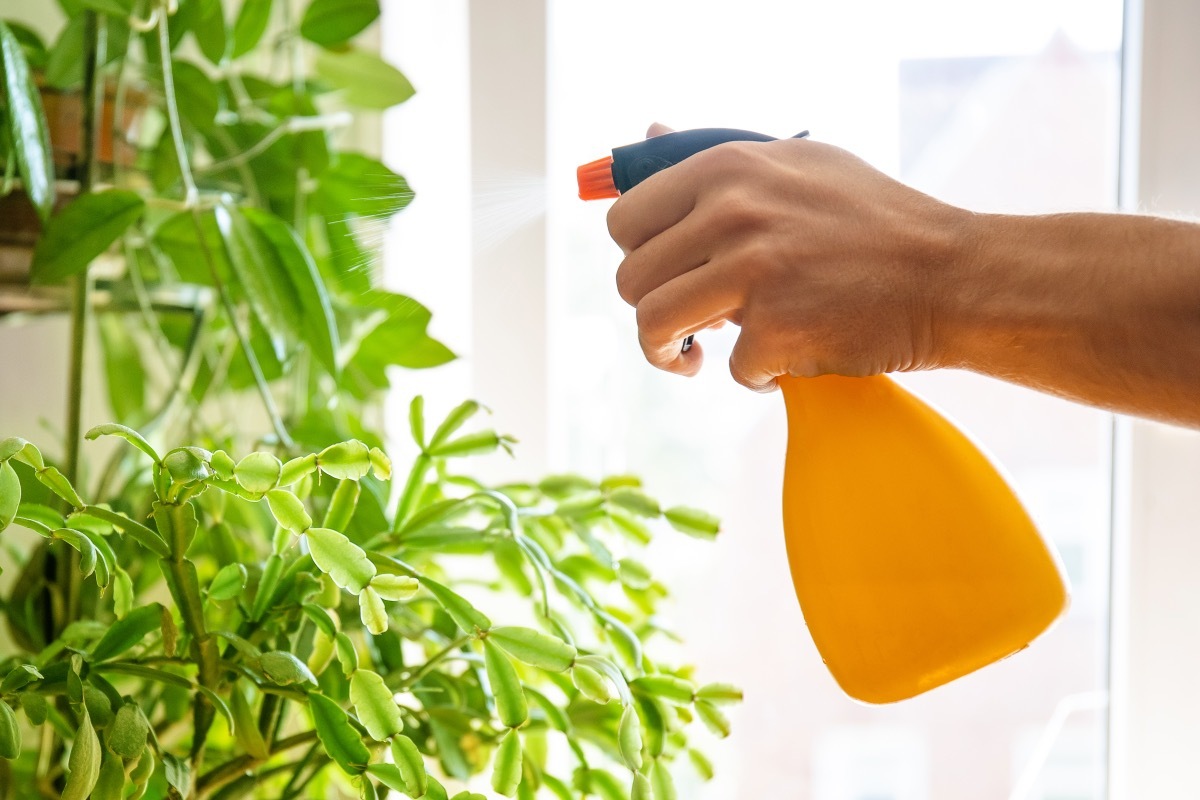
[980, 306]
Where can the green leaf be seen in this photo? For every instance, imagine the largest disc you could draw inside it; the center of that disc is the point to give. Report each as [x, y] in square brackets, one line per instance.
[701, 763]
[288, 511]
[411, 765]
[31, 43]
[363, 79]
[145, 536]
[125, 633]
[453, 421]
[198, 97]
[208, 26]
[258, 472]
[416, 420]
[284, 669]
[693, 522]
[342, 504]
[511, 706]
[188, 464]
[629, 737]
[64, 68]
[250, 25]
[341, 742]
[127, 735]
[396, 335]
[667, 687]
[359, 184]
[471, 444]
[372, 612]
[713, 719]
[395, 587]
[506, 770]
[21, 676]
[591, 683]
[268, 289]
[27, 124]
[128, 434]
[719, 693]
[81, 232]
[534, 648]
[340, 558]
[246, 730]
[331, 22]
[465, 615]
[87, 551]
[178, 773]
[10, 733]
[10, 494]
[634, 574]
[122, 593]
[635, 500]
[21, 450]
[654, 725]
[228, 583]
[374, 704]
[83, 768]
[345, 460]
[110, 784]
[297, 468]
[664, 785]
[292, 257]
[139, 776]
[121, 9]
[124, 373]
[35, 707]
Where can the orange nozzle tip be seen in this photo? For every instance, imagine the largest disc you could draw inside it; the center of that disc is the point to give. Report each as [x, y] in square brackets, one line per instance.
[596, 180]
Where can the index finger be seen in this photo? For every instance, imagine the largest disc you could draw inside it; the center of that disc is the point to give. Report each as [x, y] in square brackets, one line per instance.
[655, 204]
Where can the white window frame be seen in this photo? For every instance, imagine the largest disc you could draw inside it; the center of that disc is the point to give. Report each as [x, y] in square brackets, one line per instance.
[1155, 649]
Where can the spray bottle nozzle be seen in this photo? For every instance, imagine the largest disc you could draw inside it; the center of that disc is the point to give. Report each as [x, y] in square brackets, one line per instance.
[596, 180]
[628, 166]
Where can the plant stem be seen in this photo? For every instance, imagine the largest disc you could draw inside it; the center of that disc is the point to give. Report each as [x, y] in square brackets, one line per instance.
[172, 104]
[234, 768]
[433, 662]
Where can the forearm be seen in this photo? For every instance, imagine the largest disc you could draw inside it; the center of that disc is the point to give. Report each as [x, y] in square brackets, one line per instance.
[1099, 308]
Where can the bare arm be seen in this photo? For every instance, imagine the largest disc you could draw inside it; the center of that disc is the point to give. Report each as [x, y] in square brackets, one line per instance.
[829, 266]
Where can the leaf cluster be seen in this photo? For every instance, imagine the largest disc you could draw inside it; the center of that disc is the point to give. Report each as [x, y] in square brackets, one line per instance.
[264, 611]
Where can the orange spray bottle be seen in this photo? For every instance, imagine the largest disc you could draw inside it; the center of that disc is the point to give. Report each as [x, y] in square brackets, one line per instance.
[913, 560]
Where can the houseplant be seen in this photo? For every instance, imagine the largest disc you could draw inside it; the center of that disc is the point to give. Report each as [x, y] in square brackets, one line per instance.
[286, 621]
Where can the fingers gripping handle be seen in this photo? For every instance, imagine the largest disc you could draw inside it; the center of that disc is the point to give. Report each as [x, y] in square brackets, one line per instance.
[628, 166]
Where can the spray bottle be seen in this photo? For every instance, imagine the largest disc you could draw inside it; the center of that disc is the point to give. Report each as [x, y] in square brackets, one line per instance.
[913, 560]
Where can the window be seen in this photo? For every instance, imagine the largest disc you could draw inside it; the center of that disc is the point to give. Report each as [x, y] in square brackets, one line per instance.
[993, 106]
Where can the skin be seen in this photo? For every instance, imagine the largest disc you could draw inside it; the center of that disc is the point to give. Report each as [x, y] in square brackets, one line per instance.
[830, 267]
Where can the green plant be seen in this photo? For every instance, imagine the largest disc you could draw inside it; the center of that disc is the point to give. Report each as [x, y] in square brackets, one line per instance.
[179, 623]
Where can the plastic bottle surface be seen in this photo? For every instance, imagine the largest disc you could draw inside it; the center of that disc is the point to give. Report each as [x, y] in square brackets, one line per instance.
[913, 560]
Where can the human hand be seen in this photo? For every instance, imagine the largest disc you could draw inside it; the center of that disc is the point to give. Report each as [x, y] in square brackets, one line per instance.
[827, 265]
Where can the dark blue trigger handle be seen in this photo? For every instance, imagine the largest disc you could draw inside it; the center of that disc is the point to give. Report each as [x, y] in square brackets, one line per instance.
[633, 163]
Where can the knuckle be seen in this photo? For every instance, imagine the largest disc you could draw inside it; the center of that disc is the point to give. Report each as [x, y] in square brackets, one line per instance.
[618, 223]
[730, 155]
[627, 283]
[651, 321]
[759, 261]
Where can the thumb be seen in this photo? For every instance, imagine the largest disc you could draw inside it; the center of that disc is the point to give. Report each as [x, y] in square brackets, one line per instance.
[751, 361]
[658, 129]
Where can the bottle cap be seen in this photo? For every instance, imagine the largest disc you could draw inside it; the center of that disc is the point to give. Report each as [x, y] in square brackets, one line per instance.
[596, 180]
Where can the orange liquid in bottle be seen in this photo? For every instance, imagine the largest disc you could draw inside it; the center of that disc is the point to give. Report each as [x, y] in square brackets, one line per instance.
[913, 560]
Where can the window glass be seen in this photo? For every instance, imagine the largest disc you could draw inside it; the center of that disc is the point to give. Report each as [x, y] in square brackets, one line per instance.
[1006, 107]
